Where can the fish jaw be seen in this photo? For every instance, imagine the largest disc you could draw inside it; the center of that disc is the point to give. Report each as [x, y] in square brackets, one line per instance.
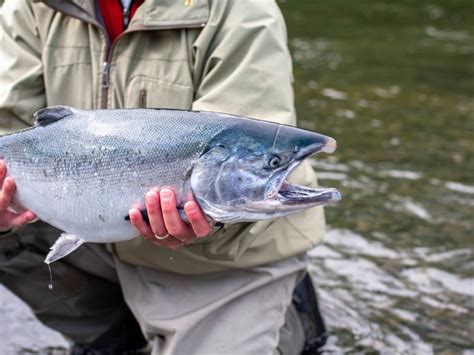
[284, 198]
[296, 197]
[290, 200]
[281, 190]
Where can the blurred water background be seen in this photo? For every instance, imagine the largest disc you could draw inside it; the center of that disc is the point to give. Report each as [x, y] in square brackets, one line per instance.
[393, 81]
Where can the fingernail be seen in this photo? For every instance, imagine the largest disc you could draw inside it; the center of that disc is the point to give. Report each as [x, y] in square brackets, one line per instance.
[150, 195]
[166, 193]
[191, 206]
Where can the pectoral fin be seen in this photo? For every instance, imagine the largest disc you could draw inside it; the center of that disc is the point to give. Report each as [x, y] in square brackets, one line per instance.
[65, 245]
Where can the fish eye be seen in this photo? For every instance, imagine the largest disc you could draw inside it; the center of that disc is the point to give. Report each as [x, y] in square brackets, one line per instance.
[274, 162]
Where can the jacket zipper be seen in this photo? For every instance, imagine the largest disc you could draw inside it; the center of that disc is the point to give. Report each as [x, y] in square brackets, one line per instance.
[105, 83]
[106, 64]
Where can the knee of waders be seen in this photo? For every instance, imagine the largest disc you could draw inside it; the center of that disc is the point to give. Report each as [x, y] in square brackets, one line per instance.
[303, 332]
[125, 338]
[306, 304]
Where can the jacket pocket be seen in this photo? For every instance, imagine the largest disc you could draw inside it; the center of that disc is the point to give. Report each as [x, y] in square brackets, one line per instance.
[143, 91]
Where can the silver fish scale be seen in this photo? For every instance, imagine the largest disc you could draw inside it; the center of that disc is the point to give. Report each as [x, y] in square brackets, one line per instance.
[98, 164]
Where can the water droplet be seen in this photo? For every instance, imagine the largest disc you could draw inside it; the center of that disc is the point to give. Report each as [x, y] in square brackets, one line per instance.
[50, 285]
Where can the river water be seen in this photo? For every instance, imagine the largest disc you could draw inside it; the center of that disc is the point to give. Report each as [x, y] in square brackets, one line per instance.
[393, 82]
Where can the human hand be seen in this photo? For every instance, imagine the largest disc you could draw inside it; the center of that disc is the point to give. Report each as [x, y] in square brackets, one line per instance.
[9, 218]
[166, 222]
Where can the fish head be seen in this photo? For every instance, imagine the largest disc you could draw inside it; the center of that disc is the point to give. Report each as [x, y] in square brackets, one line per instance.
[242, 174]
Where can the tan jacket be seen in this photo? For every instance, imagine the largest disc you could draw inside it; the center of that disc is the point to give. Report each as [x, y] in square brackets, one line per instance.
[216, 55]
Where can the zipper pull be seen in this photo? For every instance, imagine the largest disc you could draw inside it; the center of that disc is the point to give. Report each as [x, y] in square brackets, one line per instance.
[126, 17]
[105, 74]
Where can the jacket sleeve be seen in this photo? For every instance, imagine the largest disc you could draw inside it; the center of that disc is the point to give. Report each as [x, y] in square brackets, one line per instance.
[21, 72]
[242, 62]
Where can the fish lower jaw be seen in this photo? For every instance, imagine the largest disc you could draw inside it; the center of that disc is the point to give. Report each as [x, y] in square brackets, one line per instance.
[297, 195]
[252, 211]
[290, 199]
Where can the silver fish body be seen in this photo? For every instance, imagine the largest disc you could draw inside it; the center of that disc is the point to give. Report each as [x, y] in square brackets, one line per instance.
[82, 170]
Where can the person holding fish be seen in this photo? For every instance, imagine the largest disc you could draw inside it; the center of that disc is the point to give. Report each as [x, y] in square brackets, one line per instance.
[186, 287]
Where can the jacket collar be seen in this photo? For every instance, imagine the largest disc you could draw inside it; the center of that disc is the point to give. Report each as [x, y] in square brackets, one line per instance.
[158, 14]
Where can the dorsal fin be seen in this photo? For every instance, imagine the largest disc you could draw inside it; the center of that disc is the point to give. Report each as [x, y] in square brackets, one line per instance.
[52, 114]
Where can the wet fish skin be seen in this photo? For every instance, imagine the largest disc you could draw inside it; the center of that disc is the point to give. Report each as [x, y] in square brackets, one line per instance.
[82, 170]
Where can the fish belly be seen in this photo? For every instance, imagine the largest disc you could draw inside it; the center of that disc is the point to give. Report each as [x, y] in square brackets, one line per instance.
[88, 211]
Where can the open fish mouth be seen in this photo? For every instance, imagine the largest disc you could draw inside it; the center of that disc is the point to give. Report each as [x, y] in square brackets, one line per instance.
[293, 194]
[287, 194]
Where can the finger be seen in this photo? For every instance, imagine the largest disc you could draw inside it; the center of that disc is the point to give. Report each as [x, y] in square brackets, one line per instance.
[174, 225]
[3, 171]
[21, 219]
[152, 201]
[6, 194]
[199, 223]
[138, 222]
